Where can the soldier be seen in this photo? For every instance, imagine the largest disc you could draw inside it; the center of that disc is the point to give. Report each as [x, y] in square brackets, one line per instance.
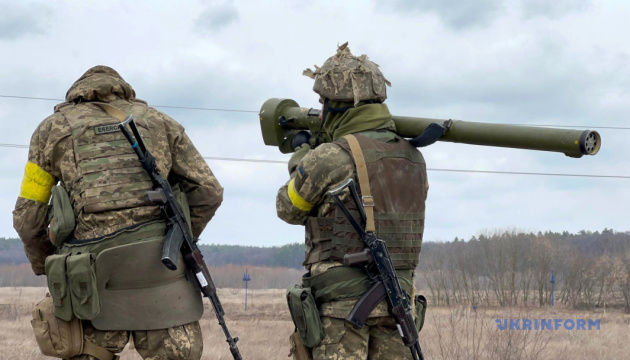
[352, 90]
[102, 220]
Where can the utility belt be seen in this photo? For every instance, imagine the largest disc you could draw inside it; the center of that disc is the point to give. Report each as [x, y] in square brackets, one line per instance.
[121, 284]
[118, 283]
[345, 283]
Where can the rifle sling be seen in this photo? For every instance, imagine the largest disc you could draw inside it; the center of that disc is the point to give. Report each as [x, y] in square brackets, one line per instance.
[364, 182]
[112, 111]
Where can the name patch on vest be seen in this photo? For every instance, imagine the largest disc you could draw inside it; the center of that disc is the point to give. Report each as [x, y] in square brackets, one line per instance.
[106, 129]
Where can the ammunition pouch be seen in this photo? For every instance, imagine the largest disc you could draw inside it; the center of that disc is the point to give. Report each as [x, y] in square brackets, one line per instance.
[63, 218]
[420, 303]
[62, 339]
[72, 284]
[138, 292]
[58, 286]
[182, 200]
[298, 350]
[305, 315]
[82, 283]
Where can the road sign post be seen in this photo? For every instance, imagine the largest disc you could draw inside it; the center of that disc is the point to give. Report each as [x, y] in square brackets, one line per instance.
[247, 279]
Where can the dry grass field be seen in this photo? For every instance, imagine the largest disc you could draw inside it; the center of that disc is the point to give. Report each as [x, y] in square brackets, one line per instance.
[449, 333]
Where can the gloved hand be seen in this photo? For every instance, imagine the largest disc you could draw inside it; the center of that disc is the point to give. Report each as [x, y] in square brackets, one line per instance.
[299, 153]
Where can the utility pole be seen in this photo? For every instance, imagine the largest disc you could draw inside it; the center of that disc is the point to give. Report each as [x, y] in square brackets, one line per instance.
[246, 278]
[553, 281]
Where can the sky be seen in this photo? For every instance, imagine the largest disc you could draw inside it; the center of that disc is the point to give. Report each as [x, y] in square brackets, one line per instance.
[562, 62]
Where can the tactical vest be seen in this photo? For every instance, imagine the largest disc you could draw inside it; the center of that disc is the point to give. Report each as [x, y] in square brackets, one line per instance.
[398, 182]
[110, 176]
[126, 283]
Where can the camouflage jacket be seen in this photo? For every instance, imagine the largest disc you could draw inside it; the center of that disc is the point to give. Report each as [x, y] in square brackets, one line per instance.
[52, 159]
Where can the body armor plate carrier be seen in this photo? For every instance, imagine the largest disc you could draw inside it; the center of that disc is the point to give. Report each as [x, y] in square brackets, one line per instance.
[397, 175]
[110, 175]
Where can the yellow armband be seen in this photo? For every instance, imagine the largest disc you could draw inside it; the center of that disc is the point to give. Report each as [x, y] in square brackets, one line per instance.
[296, 199]
[36, 184]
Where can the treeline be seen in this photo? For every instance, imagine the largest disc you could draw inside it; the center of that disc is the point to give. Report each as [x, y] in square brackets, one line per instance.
[229, 276]
[12, 251]
[508, 268]
[290, 256]
[515, 268]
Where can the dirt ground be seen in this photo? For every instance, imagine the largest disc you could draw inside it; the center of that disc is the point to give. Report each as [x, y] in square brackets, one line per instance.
[449, 333]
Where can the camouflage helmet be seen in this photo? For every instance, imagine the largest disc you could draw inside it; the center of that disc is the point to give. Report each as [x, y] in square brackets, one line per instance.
[348, 78]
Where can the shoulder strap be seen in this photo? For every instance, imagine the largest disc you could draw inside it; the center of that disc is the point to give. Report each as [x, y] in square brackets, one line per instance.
[112, 111]
[364, 182]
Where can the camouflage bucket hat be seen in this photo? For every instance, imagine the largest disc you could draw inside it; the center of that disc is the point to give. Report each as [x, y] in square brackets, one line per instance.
[348, 78]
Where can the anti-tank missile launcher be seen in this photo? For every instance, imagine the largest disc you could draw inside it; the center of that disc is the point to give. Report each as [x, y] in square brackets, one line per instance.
[285, 124]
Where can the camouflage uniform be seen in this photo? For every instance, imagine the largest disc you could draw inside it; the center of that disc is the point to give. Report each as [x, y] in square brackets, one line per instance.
[56, 154]
[356, 86]
[179, 342]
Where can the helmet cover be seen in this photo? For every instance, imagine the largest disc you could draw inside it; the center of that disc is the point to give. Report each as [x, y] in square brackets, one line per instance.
[348, 78]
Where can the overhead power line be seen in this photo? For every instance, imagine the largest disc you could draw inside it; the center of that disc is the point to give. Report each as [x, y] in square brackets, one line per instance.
[445, 170]
[256, 111]
[14, 146]
[158, 106]
[206, 109]
[577, 126]
[29, 98]
[218, 158]
[245, 160]
[533, 173]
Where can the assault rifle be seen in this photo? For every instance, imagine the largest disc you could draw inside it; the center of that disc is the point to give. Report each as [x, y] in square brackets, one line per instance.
[178, 235]
[378, 263]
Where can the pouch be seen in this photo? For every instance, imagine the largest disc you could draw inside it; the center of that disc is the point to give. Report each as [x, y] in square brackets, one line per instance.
[56, 337]
[82, 284]
[58, 286]
[298, 350]
[182, 200]
[63, 221]
[137, 292]
[305, 315]
[421, 309]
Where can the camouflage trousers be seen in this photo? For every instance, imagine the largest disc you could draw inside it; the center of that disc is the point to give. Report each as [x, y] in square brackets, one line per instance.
[177, 343]
[378, 339]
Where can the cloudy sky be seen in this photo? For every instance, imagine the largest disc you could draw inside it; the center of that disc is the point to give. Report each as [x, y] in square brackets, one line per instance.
[564, 62]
